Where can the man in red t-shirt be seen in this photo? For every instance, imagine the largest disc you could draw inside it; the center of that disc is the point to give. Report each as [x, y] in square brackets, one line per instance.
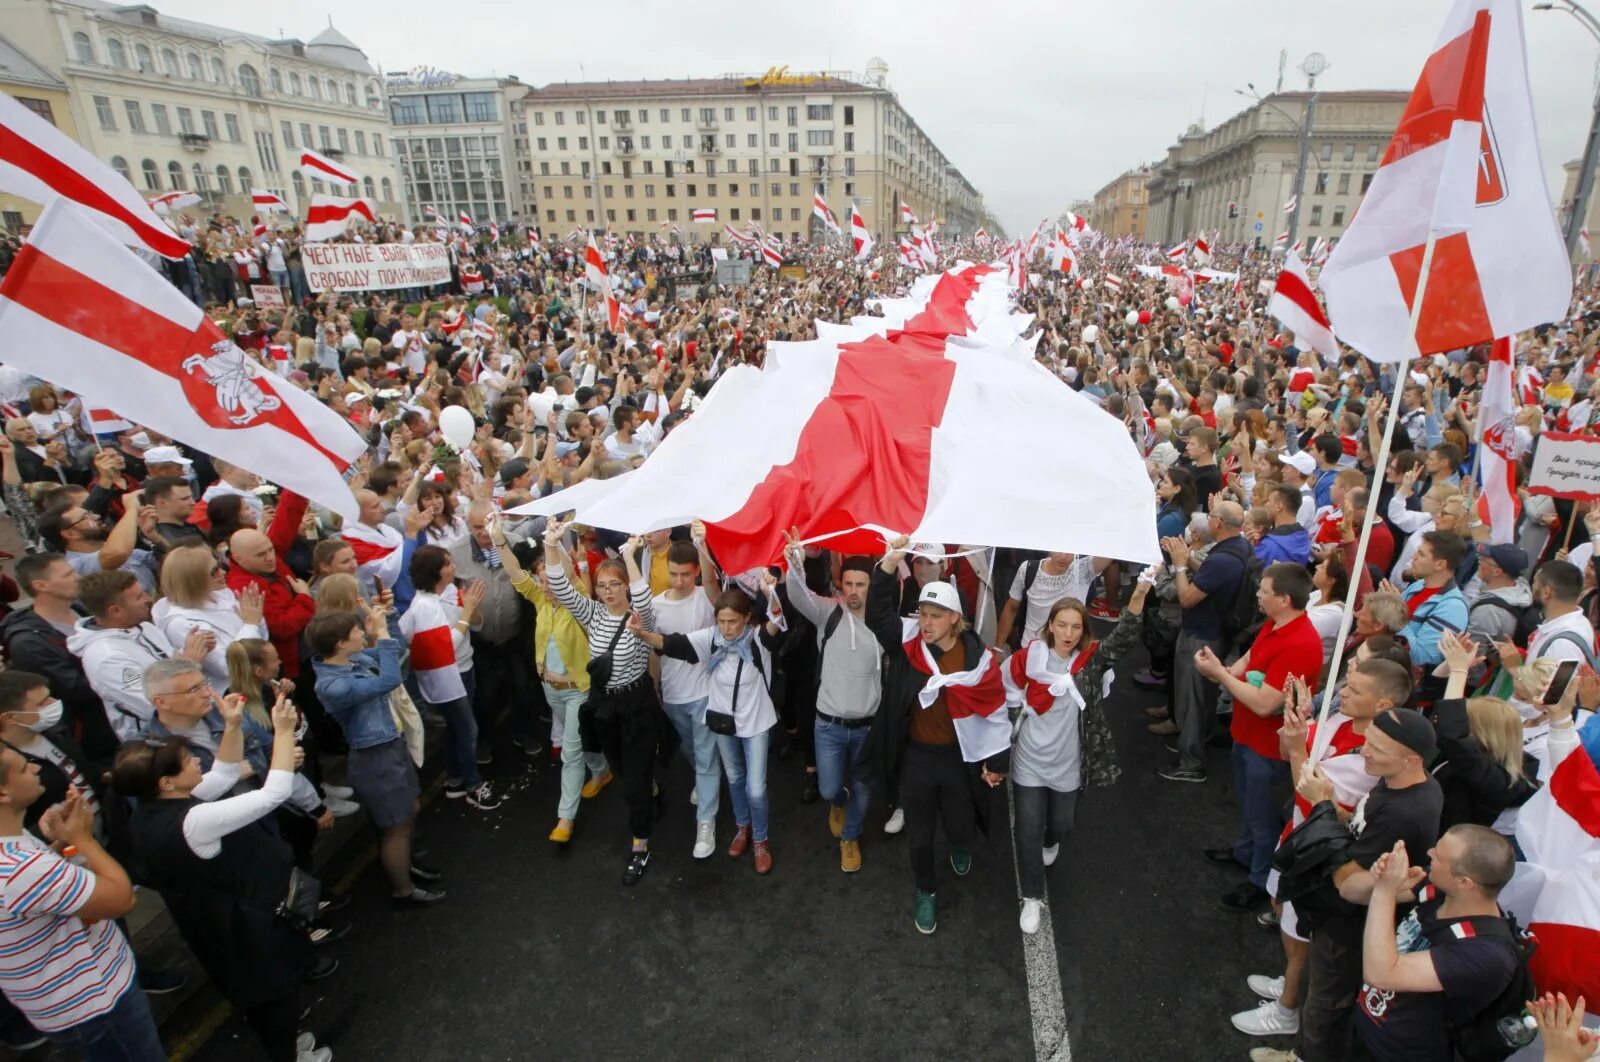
[1288, 646]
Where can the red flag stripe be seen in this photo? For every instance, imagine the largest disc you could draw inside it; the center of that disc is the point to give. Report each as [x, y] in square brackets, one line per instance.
[1291, 287]
[432, 649]
[1575, 787]
[68, 182]
[1450, 89]
[80, 303]
[321, 213]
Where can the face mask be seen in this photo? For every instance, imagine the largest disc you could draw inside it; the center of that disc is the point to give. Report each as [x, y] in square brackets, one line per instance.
[49, 714]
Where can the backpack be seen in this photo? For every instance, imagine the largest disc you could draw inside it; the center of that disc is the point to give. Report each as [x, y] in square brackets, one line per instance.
[1243, 613]
[1479, 1039]
[1526, 619]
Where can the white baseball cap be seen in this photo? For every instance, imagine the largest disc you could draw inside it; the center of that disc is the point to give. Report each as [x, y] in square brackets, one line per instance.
[942, 594]
[166, 455]
[1302, 462]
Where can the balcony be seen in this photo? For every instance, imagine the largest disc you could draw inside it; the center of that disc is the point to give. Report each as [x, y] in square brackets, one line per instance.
[709, 146]
[194, 141]
[624, 146]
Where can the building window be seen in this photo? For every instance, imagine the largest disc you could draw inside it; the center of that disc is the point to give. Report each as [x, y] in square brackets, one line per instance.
[323, 139]
[1349, 152]
[849, 115]
[442, 109]
[544, 169]
[39, 107]
[232, 123]
[175, 176]
[482, 107]
[377, 144]
[755, 213]
[249, 80]
[371, 189]
[312, 90]
[581, 117]
[1338, 215]
[794, 141]
[83, 47]
[566, 168]
[350, 93]
[1327, 153]
[730, 140]
[544, 144]
[752, 140]
[120, 164]
[819, 138]
[1322, 183]
[1316, 214]
[142, 58]
[849, 141]
[666, 141]
[1372, 152]
[152, 175]
[158, 111]
[102, 107]
[115, 51]
[649, 191]
[689, 190]
[405, 110]
[245, 184]
[733, 189]
[819, 112]
[733, 213]
[135, 115]
[196, 70]
[374, 100]
[218, 74]
[1366, 182]
[566, 191]
[299, 186]
[849, 188]
[583, 143]
[777, 190]
[225, 181]
[208, 120]
[561, 143]
[1344, 184]
[633, 215]
[361, 141]
[169, 63]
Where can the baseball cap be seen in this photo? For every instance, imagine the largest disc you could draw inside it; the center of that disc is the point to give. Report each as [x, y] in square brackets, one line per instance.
[166, 455]
[928, 551]
[1302, 462]
[565, 448]
[941, 594]
[1513, 560]
[1411, 728]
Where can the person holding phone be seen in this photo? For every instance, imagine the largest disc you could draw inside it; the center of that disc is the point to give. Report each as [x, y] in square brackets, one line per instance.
[1483, 770]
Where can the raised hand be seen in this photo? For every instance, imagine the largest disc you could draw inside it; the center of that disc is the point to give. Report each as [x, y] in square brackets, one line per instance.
[231, 707]
[251, 607]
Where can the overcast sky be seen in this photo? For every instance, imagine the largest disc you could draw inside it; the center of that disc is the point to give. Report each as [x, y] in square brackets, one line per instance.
[1037, 103]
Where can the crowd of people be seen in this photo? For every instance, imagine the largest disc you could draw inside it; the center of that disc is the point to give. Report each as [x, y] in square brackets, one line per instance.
[203, 672]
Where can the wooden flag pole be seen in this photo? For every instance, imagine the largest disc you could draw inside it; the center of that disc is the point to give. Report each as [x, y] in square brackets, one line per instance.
[1380, 464]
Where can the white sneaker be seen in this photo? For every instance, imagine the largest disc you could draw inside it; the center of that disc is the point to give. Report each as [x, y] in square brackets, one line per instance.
[896, 823]
[694, 798]
[339, 792]
[1264, 986]
[321, 1054]
[1030, 916]
[1050, 853]
[1268, 1019]
[305, 1041]
[341, 808]
[705, 840]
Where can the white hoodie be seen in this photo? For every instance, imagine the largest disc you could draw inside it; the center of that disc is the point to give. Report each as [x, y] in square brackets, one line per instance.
[220, 616]
[115, 661]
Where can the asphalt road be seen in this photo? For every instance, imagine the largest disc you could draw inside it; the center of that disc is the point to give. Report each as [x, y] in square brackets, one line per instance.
[536, 954]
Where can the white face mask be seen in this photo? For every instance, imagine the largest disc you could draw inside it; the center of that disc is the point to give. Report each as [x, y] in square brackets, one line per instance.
[49, 714]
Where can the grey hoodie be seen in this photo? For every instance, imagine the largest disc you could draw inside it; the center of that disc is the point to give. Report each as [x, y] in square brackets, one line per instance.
[1489, 622]
[851, 669]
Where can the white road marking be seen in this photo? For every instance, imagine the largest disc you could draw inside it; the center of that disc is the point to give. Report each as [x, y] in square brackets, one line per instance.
[1046, 1005]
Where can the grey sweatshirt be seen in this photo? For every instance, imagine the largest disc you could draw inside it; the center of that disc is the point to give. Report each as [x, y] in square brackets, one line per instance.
[852, 661]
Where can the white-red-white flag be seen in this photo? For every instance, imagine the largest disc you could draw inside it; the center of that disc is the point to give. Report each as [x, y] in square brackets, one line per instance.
[735, 235]
[40, 163]
[594, 269]
[464, 220]
[1292, 202]
[268, 201]
[125, 327]
[329, 216]
[773, 256]
[907, 215]
[860, 238]
[328, 169]
[98, 420]
[1464, 168]
[1583, 244]
[1202, 251]
[1295, 305]
[703, 215]
[1498, 432]
[1178, 253]
[1112, 281]
[167, 202]
[980, 234]
[820, 209]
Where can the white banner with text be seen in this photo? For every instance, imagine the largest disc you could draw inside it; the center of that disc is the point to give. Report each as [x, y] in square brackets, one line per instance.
[1566, 465]
[374, 266]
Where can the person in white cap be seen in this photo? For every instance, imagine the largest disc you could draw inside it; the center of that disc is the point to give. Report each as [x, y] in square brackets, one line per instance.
[163, 461]
[941, 726]
[1298, 468]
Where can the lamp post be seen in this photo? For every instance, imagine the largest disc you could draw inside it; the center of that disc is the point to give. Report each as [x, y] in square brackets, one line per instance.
[1312, 66]
[1591, 147]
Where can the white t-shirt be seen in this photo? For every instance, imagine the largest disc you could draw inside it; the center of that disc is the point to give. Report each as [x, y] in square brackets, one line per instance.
[682, 682]
[1047, 589]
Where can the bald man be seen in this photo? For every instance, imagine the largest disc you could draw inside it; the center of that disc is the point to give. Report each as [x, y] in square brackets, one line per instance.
[1206, 591]
[383, 554]
[256, 559]
[35, 460]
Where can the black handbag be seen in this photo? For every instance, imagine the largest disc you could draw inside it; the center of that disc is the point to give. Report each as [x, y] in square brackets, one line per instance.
[723, 722]
[599, 667]
[299, 904]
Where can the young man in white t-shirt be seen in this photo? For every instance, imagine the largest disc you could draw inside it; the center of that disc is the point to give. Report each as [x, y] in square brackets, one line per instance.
[688, 605]
[1057, 576]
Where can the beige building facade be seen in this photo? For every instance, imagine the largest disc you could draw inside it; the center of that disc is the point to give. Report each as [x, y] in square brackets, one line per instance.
[176, 104]
[1122, 207]
[1236, 177]
[28, 82]
[1568, 202]
[640, 156]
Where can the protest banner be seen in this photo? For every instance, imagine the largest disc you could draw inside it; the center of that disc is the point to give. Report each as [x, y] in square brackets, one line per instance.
[266, 296]
[374, 266]
[1566, 465]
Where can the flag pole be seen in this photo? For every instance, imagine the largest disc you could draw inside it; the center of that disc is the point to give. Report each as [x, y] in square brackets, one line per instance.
[1380, 464]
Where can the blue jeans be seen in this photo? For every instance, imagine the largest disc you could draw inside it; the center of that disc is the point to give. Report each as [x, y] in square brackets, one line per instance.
[575, 763]
[460, 737]
[125, 1033]
[838, 768]
[744, 761]
[1259, 821]
[700, 749]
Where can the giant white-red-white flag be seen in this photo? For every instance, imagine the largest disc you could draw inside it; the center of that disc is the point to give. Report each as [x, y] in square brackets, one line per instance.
[40, 163]
[329, 169]
[1295, 305]
[268, 201]
[860, 238]
[329, 216]
[80, 310]
[1464, 167]
[1496, 412]
[595, 271]
[874, 428]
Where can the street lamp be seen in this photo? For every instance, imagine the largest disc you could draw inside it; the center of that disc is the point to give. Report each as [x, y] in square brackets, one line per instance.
[1312, 67]
[1591, 148]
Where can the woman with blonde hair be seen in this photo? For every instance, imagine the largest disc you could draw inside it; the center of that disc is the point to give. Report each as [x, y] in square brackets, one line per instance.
[1482, 768]
[339, 593]
[195, 597]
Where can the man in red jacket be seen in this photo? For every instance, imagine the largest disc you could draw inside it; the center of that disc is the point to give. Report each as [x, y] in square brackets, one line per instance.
[257, 559]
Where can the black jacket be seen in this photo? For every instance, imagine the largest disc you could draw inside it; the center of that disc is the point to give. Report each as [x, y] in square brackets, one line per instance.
[32, 643]
[1476, 787]
[891, 729]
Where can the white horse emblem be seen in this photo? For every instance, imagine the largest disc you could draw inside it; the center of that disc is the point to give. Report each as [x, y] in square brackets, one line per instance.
[233, 375]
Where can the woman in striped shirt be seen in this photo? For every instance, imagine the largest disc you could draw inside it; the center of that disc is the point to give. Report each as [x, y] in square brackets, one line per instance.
[624, 712]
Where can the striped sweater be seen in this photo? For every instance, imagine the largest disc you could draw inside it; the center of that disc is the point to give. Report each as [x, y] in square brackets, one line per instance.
[631, 659]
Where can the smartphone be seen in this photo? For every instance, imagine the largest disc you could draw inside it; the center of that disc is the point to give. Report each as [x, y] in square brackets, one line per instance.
[377, 586]
[1559, 682]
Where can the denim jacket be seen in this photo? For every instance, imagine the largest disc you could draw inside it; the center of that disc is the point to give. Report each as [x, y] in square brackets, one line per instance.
[206, 735]
[357, 694]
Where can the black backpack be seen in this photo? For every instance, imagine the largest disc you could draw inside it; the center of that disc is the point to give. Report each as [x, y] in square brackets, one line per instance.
[1526, 619]
[1243, 614]
[1479, 1038]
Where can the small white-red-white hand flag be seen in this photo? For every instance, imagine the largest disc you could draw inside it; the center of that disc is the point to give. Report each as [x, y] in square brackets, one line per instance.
[1295, 305]
[328, 169]
[329, 216]
[860, 238]
[594, 269]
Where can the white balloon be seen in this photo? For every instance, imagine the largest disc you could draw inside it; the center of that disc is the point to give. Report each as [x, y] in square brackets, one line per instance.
[1172, 302]
[540, 405]
[456, 425]
[1132, 318]
[1090, 334]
